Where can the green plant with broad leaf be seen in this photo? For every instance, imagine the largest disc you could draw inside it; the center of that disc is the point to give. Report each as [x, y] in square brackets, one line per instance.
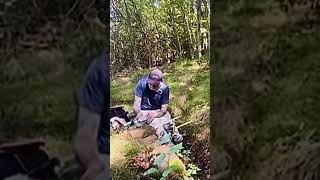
[174, 166]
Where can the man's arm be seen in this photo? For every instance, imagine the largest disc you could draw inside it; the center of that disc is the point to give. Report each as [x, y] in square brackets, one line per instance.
[137, 99]
[158, 113]
[164, 102]
[85, 143]
[163, 110]
[137, 104]
[91, 104]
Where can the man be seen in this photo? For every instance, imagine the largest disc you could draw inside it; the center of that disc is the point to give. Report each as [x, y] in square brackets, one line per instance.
[151, 105]
[92, 138]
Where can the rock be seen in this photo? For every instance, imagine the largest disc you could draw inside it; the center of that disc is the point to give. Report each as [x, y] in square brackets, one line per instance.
[173, 160]
[150, 140]
[170, 160]
[161, 149]
[176, 164]
[136, 133]
[139, 133]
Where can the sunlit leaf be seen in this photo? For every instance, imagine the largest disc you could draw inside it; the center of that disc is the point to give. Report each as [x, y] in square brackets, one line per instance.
[150, 171]
[166, 172]
[176, 148]
[160, 159]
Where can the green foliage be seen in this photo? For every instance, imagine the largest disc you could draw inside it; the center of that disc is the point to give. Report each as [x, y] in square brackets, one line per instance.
[124, 173]
[155, 34]
[160, 159]
[166, 172]
[132, 149]
[184, 153]
[150, 171]
[177, 166]
[192, 170]
[174, 166]
[176, 148]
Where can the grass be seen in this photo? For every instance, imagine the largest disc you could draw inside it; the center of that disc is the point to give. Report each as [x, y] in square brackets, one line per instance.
[122, 150]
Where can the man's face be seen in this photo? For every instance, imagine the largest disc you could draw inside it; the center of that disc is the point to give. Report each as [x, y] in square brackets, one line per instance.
[153, 87]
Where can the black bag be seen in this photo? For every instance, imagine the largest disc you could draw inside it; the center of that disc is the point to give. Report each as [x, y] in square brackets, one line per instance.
[28, 159]
[119, 112]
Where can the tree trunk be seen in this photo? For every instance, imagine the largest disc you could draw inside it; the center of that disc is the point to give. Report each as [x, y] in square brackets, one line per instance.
[207, 16]
[132, 50]
[175, 34]
[199, 29]
[190, 36]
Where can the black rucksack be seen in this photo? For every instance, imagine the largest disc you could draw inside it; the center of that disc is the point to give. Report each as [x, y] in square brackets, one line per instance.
[119, 112]
[27, 158]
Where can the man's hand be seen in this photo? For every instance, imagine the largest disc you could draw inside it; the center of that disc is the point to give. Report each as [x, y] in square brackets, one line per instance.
[140, 114]
[151, 115]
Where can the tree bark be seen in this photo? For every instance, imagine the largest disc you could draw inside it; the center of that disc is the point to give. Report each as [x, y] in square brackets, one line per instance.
[175, 34]
[190, 36]
[199, 29]
[132, 50]
[207, 16]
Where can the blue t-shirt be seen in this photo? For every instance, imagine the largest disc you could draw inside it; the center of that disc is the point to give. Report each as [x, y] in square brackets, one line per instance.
[95, 97]
[151, 100]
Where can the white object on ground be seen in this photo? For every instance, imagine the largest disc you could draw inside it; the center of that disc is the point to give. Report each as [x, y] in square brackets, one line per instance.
[116, 122]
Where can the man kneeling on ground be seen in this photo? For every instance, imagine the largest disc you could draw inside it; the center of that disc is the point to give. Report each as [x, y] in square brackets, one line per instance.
[151, 105]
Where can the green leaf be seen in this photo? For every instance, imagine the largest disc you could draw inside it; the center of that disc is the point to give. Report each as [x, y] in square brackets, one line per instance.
[176, 148]
[159, 159]
[166, 172]
[150, 171]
